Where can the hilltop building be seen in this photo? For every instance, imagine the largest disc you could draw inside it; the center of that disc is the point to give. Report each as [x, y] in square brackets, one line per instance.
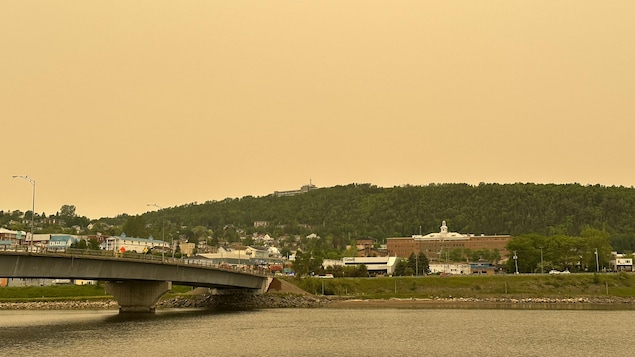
[303, 189]
[436, 246]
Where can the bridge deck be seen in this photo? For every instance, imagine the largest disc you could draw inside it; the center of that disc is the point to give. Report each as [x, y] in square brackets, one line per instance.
[104, 268]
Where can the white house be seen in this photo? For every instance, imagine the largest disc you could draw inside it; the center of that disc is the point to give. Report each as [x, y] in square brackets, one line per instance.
[123, 244]
[451, 268]
[621, 263]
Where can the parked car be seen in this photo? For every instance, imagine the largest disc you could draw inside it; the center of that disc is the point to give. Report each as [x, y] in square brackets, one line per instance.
[554, 271]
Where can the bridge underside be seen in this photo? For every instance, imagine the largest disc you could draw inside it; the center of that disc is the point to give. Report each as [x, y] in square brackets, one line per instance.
[137, 296]
[136, 285]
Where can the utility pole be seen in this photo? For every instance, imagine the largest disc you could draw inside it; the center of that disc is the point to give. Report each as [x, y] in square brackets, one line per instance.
[32, 182]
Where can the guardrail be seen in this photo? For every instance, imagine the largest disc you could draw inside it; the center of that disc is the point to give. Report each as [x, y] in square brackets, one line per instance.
[202, 263]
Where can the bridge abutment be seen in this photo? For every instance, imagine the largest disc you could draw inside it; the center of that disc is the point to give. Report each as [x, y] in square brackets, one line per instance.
[137, 295]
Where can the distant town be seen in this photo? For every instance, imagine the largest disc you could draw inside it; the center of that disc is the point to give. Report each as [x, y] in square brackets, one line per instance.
[277, 241]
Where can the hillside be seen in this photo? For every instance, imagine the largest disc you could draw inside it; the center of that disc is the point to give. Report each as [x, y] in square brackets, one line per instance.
[364, 210]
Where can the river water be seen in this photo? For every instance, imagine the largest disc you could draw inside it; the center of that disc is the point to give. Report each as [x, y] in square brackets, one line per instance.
[318, 332]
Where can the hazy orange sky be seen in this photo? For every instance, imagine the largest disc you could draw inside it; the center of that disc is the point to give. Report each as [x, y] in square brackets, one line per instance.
[112, 105]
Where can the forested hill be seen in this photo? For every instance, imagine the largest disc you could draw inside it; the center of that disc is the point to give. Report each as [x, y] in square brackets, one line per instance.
[364, 210]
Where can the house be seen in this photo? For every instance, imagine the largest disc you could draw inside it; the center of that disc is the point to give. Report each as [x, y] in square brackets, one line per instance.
[258, 224]
[450, 268]
[187, 248]
[7, 245]
[482, 268]
[60, 242]
[123, 244]
[15, 237]
[621, 263]
[258, 252]
[262, 238]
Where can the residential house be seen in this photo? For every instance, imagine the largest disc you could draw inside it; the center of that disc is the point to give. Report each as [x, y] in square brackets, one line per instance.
[123, 244]
[60, 242]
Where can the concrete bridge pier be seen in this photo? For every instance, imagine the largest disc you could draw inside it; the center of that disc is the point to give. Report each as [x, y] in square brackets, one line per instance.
[137, 295]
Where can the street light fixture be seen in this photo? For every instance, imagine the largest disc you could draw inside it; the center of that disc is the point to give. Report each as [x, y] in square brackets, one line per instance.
[162, 231]
[32, 182]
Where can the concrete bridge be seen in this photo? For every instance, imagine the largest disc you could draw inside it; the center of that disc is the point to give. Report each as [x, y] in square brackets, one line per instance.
[136, 284]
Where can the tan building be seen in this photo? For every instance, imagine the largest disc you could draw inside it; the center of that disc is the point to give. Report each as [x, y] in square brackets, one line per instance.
[436, 246]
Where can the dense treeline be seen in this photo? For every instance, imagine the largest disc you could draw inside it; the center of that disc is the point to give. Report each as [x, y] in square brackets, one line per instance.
[344, 213]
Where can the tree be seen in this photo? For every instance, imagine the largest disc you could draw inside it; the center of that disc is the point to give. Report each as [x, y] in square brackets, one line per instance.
[67, 211]
[402, 268]
[595, 242]
[302, 263]
[135, 226]
[93, 244]
[424, 264]
[80, 244]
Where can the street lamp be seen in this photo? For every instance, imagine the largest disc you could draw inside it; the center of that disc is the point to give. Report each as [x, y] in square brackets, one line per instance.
[162, 231]
[417, 265]
[542, 271]
[32, 181]
[597, 261]
[516, 261]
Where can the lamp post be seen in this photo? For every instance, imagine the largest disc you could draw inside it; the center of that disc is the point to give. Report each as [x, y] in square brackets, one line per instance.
[32, 182]
[597, 261]
[416, 265]
[162, 231]
[542, 271]
[516, 261]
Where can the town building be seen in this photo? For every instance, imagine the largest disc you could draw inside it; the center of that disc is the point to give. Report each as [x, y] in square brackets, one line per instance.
[621, 263]
[450, 268]
[374, 265]
[436, 246]
[367, 248]
[303, 189]
[121, 244]
[60, 242]
[10, 240]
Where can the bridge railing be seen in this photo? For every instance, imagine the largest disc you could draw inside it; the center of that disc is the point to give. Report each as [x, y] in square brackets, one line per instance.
[203, 263]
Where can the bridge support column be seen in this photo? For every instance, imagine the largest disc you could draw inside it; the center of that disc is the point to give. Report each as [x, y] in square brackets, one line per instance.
[136, 295]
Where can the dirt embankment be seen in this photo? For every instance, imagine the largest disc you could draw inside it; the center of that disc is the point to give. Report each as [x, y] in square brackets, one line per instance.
[284, 287]
[281, 294]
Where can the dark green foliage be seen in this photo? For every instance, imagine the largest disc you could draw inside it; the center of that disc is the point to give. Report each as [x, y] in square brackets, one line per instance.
[560, 252]
[342, 214]
[135, 226]
[364, 210]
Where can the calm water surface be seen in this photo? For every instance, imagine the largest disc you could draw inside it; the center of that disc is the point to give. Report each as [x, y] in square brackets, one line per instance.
[318, 332]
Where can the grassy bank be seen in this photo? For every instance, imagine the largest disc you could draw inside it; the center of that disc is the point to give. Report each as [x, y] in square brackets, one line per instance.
[504, 286]
[545, 286]
[67, 292]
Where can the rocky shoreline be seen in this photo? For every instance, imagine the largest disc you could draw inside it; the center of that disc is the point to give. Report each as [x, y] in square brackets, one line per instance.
[60, 305]
[243, 302]
[276, 301]
[492, 303]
